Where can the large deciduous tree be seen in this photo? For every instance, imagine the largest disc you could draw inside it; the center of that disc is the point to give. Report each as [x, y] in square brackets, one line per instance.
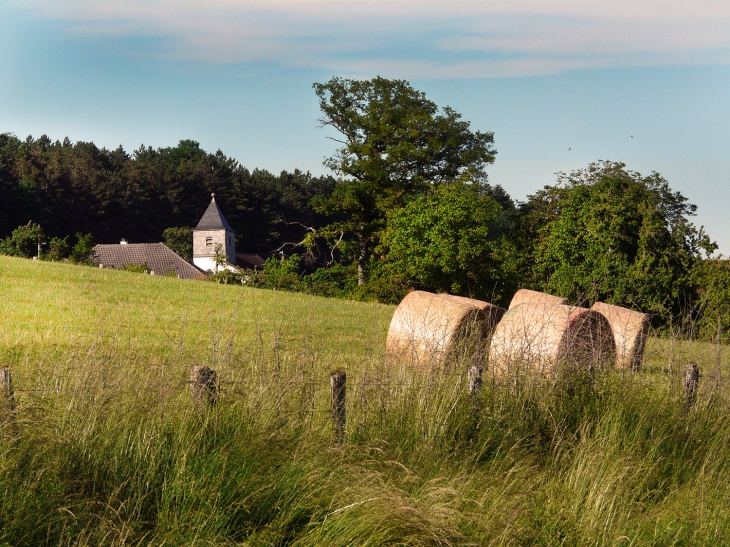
[607, 233]
[395, 145]
[180, 240]
[452, 240]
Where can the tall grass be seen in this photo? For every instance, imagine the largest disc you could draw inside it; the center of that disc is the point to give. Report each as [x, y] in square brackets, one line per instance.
[105, 447]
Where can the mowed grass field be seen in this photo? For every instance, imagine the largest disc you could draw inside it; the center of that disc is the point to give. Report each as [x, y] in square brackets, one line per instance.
[104, 446]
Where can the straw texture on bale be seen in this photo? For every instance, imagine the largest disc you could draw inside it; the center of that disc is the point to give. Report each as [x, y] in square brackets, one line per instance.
[526, 296]
[538, 338]
[427, 329]
[493, 312]
[630, 330]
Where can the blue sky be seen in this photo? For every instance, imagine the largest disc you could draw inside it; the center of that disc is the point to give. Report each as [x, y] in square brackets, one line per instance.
[561, 83]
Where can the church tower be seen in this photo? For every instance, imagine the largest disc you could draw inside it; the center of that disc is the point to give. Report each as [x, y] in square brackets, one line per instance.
[211, 231]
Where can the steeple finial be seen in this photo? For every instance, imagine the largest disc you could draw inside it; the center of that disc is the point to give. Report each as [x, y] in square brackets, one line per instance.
[213, 218]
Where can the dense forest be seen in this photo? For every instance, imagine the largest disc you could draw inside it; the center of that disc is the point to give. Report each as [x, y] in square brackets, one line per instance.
[409, 205]
[69, 188]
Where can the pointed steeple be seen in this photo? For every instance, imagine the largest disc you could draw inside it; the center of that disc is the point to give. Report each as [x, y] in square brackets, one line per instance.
[213, 218]
[212, 235]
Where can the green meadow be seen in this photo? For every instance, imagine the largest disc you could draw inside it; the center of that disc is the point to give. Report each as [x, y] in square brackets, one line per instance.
[102, 444]
[60, 308]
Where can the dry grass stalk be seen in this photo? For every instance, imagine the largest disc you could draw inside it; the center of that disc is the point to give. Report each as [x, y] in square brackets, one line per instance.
[538, 338]
[630, 331]
[526, 296]
[428, 328]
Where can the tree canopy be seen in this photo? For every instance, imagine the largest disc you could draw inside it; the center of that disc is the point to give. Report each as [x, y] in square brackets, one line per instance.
[451, 241]
[610, 234]
[180, 240]
[395, 145]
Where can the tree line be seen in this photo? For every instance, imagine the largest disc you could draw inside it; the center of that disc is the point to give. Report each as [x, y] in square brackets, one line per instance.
[80, 188]
[408, 205]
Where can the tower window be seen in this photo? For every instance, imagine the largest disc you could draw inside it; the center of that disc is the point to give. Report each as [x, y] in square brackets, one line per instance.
[208, 241]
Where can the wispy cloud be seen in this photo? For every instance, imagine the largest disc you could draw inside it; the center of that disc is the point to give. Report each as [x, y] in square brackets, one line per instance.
[414, 38]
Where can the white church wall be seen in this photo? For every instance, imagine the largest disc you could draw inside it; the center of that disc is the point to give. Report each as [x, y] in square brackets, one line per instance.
[207, 264]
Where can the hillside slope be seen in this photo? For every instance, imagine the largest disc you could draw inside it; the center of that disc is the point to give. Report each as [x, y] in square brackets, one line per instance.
[59, 307]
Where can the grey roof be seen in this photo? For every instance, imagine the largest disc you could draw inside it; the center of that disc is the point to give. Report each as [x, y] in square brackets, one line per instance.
[158, 256]
[249, 261]
[213, 218]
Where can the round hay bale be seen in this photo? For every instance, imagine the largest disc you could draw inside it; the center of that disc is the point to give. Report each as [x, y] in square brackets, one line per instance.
[630, 331]
[428, 329]
[526, 296]
[539, 338]
[493, 312]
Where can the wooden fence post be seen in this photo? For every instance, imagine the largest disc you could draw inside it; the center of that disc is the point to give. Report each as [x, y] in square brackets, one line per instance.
[6, 383]
[691, 381]
[475, 388]
[475, 380]
[338, 384]
[203, 386]
[7, 396]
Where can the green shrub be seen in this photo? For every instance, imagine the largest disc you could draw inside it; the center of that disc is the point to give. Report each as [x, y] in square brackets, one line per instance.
[58, 249]
[83, 250]
[226, 277]
[137, 268]
[23, 241]
[449, 241]
[277, 273]
[381, 287]
[339, 280]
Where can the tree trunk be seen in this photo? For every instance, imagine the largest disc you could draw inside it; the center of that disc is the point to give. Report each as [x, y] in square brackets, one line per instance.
[362, 277]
